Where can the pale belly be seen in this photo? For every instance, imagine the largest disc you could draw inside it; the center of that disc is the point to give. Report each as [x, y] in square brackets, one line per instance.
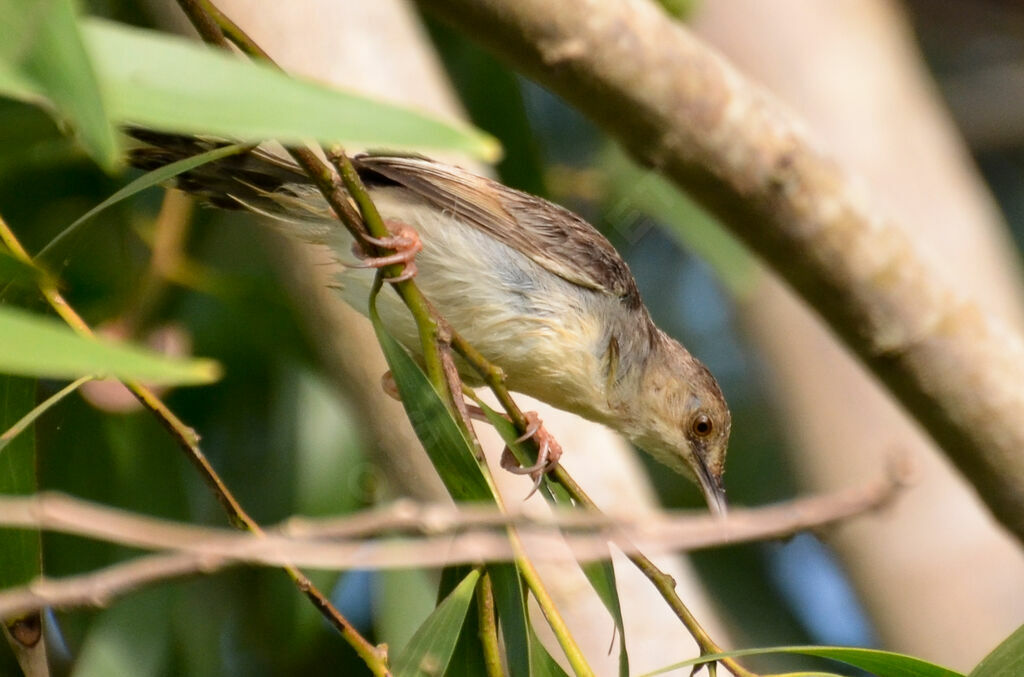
[537, 327]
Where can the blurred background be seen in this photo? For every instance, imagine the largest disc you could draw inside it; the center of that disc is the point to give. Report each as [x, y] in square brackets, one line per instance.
[923, 100]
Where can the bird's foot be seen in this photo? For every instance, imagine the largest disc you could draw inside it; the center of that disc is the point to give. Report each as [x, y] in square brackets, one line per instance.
[548, 452]
[405, 242]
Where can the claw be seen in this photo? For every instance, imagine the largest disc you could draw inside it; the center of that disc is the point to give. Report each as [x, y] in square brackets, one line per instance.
[548, 453]
[406, 243]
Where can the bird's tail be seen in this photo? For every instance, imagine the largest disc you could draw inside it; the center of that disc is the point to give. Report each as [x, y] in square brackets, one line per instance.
[255, 180]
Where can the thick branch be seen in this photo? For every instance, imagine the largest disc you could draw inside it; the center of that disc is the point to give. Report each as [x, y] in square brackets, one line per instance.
[679, 107]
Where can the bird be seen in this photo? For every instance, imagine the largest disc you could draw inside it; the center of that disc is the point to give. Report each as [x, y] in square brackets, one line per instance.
[533, 287]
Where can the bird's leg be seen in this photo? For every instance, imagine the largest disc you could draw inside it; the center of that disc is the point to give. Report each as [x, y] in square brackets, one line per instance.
[548, 448]
[404, 240]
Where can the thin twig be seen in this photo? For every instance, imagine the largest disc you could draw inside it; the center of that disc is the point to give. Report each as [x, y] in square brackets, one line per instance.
[188, 441]
[426, 323]
[461, 535]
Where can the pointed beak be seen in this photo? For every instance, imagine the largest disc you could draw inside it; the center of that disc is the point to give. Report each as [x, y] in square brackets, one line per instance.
[711, 487]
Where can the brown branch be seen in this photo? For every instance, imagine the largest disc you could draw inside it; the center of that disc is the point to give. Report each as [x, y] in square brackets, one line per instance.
[462, 535]
[679, 107]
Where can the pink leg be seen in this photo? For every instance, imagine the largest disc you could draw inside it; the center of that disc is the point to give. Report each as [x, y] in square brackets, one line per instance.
[406, 243]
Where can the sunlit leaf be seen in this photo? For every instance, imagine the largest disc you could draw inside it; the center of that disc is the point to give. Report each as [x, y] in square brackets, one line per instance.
[44, 55]
[43, 347]
[174, 84]
[430, 649]
[1006, 660]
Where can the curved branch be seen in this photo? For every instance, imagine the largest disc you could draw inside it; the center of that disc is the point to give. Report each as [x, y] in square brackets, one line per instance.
[680, 108]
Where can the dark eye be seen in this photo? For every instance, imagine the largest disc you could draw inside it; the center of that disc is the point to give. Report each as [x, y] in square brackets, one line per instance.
[701, 425]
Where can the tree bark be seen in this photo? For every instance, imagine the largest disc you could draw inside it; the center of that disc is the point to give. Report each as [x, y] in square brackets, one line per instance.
[867, 94]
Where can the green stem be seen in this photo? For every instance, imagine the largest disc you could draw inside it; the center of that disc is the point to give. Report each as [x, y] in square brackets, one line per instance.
[549, 608]
[489, 627]
[426, 324]
[327, 182]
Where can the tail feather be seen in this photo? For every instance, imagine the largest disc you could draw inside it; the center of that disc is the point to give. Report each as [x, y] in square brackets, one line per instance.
[256, 177]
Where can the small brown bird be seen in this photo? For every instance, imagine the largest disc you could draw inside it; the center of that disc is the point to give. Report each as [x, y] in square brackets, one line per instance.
[535, 288]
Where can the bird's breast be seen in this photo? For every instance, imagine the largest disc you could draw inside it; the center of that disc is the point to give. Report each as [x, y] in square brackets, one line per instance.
[548, 335]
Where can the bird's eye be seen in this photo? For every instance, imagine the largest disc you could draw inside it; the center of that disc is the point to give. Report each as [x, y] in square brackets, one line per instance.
[701, 425]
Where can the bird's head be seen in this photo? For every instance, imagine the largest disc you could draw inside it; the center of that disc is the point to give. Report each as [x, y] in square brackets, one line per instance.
[681, 418]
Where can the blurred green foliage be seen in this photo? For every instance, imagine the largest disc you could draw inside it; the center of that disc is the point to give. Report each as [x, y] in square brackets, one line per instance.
[283, 440]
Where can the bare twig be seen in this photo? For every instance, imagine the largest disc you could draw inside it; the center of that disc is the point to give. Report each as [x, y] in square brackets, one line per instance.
[745, 157]
[188, 441]
[453, 535]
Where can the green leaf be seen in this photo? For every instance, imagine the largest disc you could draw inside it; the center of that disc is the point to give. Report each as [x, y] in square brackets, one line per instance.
[878, 663]
[431, 648]
[520, 639]
[20, 553]
[1006, 660]
[42, 347]
[47, 57]
[147, 180]
[177, 85]
[601, 574]
[449, 450]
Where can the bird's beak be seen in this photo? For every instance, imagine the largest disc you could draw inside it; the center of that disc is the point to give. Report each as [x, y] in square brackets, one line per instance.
[711, 487]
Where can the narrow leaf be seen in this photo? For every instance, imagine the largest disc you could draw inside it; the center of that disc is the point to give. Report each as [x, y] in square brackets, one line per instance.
[147, 180]
[19, 548]
[47, 55]
[22, 424]
[1006, 660]
[21, 557]
[520, 639]
[449, 450]
[878, 663]
[174, 84]
[431, 648]
[39, 346]
[601, 574]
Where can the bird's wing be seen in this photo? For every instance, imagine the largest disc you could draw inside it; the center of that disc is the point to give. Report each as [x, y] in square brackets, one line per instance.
[553, 237]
